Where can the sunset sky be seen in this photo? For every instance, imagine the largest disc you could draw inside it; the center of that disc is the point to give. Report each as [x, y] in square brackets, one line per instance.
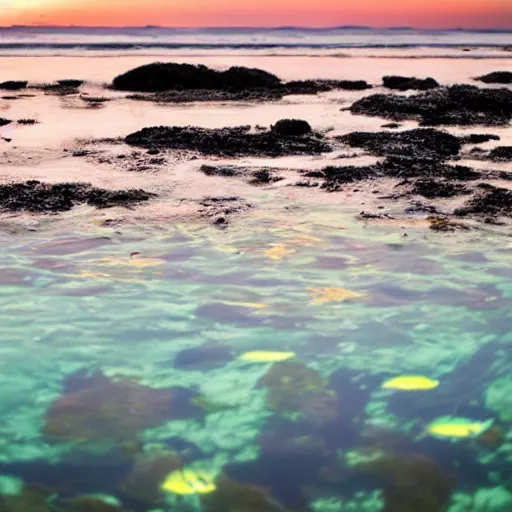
[193, 13]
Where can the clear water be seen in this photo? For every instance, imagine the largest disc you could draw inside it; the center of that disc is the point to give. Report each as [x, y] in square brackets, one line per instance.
[91, 330]
[122, 344]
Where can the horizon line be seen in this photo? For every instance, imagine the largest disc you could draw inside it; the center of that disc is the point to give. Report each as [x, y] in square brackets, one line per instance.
[248, 27]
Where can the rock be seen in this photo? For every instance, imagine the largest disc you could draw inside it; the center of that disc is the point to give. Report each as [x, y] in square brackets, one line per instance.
[418, 143]
[26, 121]
[113, 411]
[209, 95]
[391, 125]
[35, 196]
[206, 357]
[404, 83]
[153, 152]
[298, 391]
[455, 105]
[227, 141]
[316, 86]
[263, 176]
[394, 167]
[167, 76]
[492, 201]
[444, 224]
[145, 478]
[501, 153]
[13, 85]
[431, 188]
[479, 138]
[4, 122]
[497, 77]
[291, 127]
[70, 83]
[227, 171]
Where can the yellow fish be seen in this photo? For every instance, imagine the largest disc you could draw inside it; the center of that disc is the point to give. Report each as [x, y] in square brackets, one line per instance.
[410, 383]
[266, 356]
[279, 251]
[325, 295]
[186, 481]
[448, 426]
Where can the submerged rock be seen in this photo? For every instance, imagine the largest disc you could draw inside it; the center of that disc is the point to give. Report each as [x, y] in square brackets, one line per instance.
[35, 196]
[227, 141]
[416, 143]
[411, 482]
[112, 411]
[404, 83]
[298, 392]
[455, 105]
[205, 357]
[161, 76]
[13, 85]
[497, 77]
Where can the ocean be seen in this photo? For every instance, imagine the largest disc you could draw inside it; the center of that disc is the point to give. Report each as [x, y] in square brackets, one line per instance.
[233, 345]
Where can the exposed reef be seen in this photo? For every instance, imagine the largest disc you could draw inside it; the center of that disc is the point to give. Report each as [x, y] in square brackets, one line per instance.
[497, 77]
[35, 196]
[184, 83]
[235, 141]
[404, 83]
[455, 105]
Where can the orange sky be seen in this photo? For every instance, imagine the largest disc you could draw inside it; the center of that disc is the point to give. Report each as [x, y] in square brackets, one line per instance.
[418, 13]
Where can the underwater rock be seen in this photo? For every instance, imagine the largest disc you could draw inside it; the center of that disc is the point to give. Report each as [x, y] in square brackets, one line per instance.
[404, 83]
[227, 141]
[206, 357]
[35, 196]
[455, 105]
[425, 143]
[496, 77]
[13, 85]
[161, 76]
[298, 392]
[492, 201]
[143, 483]
[501, 153]
[231, 496]
[108, 410]
[291, 127]
[32, 499]
[284, 439]
[4, 122]
[413, 482]
[91, 504]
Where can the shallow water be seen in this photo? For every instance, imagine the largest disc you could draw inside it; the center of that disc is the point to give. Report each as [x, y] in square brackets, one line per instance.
[96, 318]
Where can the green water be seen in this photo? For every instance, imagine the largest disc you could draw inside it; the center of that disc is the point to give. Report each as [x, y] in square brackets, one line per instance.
[122, 361]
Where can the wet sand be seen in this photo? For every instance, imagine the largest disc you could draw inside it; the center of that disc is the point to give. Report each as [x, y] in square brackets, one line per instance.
[65, 124]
